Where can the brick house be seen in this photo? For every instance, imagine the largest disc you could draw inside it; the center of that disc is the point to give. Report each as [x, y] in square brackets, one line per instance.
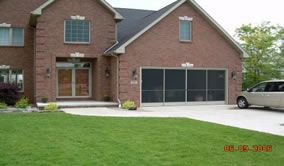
[82, 50]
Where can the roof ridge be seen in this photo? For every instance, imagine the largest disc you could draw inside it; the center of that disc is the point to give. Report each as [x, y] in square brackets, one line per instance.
[135, 9]
[162, 8]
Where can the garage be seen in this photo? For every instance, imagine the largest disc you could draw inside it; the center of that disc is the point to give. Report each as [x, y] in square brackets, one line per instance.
[179, 86]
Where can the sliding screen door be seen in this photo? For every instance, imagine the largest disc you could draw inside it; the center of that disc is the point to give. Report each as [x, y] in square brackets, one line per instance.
[196, 85]
[175, 86]
[216, 85]
[152, 85]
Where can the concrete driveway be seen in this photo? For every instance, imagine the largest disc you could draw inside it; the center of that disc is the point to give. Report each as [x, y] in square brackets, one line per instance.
[256, 118]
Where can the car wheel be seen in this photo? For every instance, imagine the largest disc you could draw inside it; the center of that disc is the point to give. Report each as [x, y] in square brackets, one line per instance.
[242, 103]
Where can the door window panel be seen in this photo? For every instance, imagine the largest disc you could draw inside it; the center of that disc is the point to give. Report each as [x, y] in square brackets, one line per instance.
[196, 85]
[152, 85]
[82, 82]
[216, 85]
[175, 85]
[65, 82]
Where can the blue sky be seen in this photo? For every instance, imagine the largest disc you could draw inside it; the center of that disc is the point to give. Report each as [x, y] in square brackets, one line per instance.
[231, 14]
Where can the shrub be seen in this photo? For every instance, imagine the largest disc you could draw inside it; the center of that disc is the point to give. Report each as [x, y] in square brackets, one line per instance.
[22, 103]
[3, 106]
[44, 99]
[106, 98]
[51, 107]
[8, 93]
[128, 104]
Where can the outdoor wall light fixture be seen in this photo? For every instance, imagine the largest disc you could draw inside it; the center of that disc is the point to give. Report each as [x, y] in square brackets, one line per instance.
[134, 74]
[48, 73]
[107, 72]
[234, 75]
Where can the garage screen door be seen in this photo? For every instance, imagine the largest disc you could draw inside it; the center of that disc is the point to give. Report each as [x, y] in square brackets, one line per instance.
[180, 85]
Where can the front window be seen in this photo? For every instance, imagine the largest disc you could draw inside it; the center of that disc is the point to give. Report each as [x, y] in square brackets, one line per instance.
[185, 30]
[13, 76]
[11, 36]
[258, 88]
[77, 31]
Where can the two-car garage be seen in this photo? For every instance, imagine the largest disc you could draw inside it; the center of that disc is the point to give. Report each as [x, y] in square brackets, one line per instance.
[179, 86]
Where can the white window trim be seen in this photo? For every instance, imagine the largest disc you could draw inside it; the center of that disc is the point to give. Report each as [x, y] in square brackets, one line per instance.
[67, 42]
[186, 18]
[5, 25]
[78, 17]
[189, 19]
[11, 37]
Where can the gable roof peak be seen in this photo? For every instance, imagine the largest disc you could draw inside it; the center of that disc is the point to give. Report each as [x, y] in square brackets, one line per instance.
[152, 19]
[38, 12]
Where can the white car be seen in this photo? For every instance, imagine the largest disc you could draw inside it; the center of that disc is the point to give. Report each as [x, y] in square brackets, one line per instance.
[267, 94]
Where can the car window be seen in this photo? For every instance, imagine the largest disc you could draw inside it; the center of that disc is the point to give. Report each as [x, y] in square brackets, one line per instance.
[271, 87]
[258, 88]
[280, 87]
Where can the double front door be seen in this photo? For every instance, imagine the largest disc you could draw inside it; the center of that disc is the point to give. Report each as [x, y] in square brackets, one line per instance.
[73, 82]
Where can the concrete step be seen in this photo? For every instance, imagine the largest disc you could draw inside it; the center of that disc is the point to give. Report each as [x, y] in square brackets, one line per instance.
[80, 104]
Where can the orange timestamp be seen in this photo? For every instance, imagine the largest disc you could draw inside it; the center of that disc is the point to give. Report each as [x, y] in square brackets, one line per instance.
[246, 148]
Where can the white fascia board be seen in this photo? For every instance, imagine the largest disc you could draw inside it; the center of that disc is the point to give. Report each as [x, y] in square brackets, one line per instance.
[244, 54]
[148, 27]
[38, 11]
[117, 16]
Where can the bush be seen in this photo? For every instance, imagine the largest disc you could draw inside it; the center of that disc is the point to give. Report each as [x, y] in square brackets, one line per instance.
[128, 104]
[8, 93]
[22, 103]
[3, 106]
[106, 98]
[51, 107]
[44, 99]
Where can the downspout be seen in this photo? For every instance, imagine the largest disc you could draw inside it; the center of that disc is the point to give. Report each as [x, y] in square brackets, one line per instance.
[34, 67]
[117, 78]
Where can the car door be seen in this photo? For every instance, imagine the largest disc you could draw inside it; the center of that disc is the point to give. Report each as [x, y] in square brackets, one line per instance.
[256, 95]
[272, 94]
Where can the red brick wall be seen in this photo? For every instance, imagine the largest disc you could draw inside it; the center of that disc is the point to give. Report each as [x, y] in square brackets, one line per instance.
[17, 13]
[50, 43]
[160, 46]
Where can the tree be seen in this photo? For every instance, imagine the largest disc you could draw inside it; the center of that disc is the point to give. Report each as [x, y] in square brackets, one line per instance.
[265, 45]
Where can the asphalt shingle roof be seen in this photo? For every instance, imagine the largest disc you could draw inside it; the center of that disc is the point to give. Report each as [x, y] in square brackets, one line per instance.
[136, 20]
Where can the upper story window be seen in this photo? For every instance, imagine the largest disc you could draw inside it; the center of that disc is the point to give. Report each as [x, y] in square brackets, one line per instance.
[13, 76]
[11, 36]
[185, 29]
[77, 31]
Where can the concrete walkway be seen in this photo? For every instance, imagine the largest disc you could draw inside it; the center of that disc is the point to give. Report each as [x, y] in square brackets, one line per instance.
[258, 119]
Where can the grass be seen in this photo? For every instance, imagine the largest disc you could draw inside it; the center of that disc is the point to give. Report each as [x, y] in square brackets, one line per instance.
[61, 139]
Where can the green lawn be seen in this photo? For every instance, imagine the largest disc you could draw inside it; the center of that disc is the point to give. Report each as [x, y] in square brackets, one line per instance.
[60, 139]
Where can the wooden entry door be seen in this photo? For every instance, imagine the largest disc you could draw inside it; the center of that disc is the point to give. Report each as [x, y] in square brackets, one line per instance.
[65, 82]
[73, 83]
[82, 82]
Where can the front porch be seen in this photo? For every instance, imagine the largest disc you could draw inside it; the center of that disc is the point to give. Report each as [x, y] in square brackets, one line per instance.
[80, 104]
